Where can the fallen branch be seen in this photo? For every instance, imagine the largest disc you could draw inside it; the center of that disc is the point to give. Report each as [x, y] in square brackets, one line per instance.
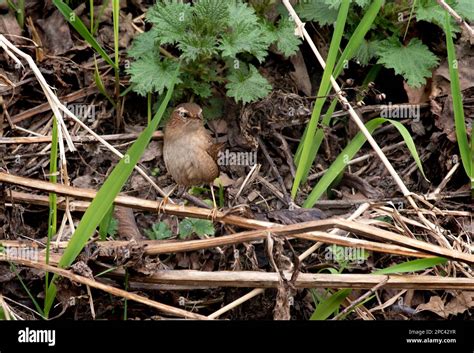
[170, 310]
[293, 230]
[251, 279]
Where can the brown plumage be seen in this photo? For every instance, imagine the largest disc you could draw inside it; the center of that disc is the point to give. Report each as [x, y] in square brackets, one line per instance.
[190, 154]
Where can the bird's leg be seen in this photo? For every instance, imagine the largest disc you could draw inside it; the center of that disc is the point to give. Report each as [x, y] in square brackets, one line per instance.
[214, 210]
[165, 199]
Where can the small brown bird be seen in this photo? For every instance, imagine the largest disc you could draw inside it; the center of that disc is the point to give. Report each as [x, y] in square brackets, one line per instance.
[190, 154]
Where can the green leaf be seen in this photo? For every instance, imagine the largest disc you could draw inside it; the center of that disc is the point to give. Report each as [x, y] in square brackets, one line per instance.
[152, 74]
[305, 158]
[105, 197]
[328, 306]
[286, 40]
[170, 20]
[185, 228]
[143, 44]
[201, 227]
[414, 61]
[316, 10]
[245, 33]
[159, 231]
[412, 266]
[349, 152]
[247, 86]
[465, 9]
[366, 52]
[210, 17]
[79, 26]
[459, 118]
[195, 45]
[430, 11]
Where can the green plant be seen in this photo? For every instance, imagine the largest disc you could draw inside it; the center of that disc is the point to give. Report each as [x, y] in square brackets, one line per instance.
[200, 227]
[465, 150]
[102, 202]
[159, 231]
[217, 42]
[386, 42]
[330, 304]
[19, 8]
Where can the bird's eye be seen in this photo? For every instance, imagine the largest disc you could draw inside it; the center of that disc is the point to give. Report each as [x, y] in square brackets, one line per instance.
[183, 113]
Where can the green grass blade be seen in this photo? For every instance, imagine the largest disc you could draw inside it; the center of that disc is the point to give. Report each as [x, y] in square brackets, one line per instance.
[116, 20]
[412, 266]
[349, 152]
[53, 207]
[358, 35]
[106, 195]
[460, 124]
[81, 28]
[100, 84]
[25, 287]
[328, 306]
[349, 51]
[105, 223]
[304, 161]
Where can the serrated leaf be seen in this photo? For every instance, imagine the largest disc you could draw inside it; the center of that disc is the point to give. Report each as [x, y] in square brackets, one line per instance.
[366, 52]
[430, 11]
[170, 20]
[203, 227]
[316, 10]
[414, 61]
[247, 86]
[185, 228]
[152, 74]
[195, 45]
[142, 44]
[210, 17]
[286, 40]
[159, 231]
[245, 33]
[465, 9]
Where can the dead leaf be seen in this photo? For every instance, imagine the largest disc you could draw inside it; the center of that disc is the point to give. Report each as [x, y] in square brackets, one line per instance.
[458, 305]
[55, 34]
[300, 75]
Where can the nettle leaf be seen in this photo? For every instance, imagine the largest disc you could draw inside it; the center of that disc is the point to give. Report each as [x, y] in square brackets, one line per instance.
[414, 61]
[245, 33]
[366, 52]
[152, 74]
[194, 45]
[143, 44]
[465, 9]
[210, 16]
[247, 85]
[316, 10]
[430, 11]
[202, 89]
[170, 20]
[286, 40]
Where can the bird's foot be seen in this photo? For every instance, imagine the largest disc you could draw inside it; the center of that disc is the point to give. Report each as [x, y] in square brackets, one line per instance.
[162, 204]
[214, 214]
